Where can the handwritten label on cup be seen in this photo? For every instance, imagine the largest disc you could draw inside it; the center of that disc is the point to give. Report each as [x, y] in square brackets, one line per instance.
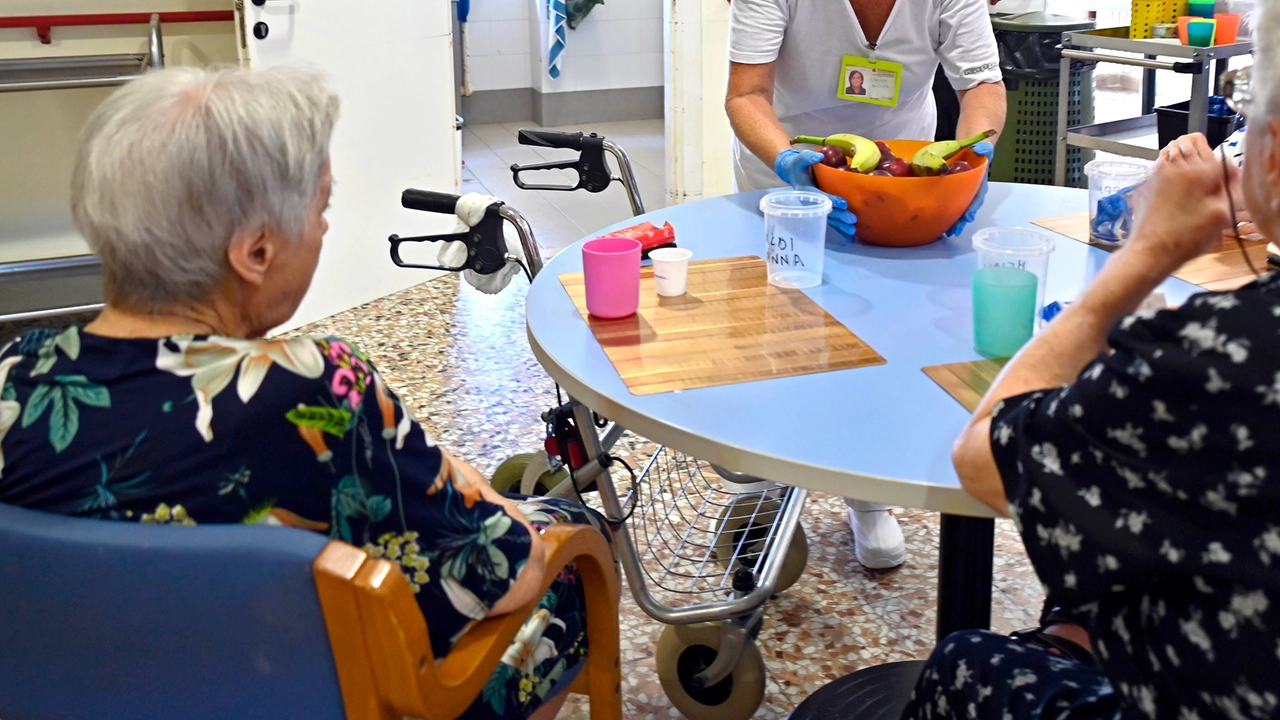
[784, 253]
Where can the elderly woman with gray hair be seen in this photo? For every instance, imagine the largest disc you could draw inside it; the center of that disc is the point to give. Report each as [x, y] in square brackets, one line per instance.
[1139, 453]
[203, 193]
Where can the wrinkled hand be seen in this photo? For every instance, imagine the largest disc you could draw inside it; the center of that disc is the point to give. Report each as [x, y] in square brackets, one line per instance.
[1184, 205]
[793, 167]
[988, 151]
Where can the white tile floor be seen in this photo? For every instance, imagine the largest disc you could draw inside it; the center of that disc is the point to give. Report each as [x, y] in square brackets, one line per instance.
[561, 218]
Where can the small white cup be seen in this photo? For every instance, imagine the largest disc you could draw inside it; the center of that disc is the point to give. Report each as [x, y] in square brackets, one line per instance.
[671, 270]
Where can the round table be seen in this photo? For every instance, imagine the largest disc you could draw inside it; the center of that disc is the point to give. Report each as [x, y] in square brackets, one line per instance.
[881, 433]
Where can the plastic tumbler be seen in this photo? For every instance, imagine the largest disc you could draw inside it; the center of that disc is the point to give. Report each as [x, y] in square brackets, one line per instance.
[1182, 28]
[1108, 178]
[1201, 9]
[611, 273]
[1200, 32]
[671, 270]
[795, 223]
[1228, 30]
[1008, 287]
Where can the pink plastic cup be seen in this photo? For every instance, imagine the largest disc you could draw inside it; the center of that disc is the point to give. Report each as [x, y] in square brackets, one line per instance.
[611, 273]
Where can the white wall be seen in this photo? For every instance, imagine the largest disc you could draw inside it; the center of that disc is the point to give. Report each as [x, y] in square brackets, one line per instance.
[498, 44]
[395, 131]
[619, 45]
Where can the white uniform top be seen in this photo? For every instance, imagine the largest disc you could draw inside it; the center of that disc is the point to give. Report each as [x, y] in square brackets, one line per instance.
[809, 38]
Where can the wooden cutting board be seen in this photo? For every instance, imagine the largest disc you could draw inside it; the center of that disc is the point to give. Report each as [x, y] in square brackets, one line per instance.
[967, 382]
[1220, 269]
[731, 326]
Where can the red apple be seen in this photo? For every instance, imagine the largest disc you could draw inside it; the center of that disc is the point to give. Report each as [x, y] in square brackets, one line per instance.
[833, 156]
[882, 173]
[959, 166]
[899, 168]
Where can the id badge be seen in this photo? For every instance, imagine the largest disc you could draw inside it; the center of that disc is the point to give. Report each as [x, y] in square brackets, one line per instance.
[864, 80]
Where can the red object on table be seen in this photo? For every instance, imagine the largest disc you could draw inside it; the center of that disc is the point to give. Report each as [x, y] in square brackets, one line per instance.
[44, 24]
[651, 236]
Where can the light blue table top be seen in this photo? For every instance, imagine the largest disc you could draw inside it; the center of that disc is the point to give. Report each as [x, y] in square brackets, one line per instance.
[882, 433]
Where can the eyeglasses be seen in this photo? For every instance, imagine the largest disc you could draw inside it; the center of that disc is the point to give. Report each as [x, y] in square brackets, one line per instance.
[1235, 88]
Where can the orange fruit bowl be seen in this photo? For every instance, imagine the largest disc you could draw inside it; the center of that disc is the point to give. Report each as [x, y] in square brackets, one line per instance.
[905, 212]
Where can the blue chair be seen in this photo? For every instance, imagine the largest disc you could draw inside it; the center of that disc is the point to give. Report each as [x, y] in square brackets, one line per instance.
[107, 619]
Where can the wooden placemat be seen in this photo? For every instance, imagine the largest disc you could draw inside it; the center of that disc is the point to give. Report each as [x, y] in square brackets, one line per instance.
[1220, 269]
[967, 382]
[731, 326]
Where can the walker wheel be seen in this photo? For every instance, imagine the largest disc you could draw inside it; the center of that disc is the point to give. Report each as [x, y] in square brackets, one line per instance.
[794, 563]
[743, 531]
[507, 478]
[686, 650]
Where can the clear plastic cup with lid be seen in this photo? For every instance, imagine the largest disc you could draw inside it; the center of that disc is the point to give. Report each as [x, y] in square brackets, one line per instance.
[795, 223]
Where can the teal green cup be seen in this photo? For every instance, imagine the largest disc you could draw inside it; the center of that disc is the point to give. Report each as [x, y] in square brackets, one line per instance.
[1004, 309]
[1200, 33]
[1204, 10]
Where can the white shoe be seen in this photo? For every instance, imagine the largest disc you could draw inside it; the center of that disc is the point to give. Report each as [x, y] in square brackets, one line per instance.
[877, 537]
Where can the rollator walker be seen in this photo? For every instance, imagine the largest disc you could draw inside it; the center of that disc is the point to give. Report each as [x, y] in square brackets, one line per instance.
[702, 547]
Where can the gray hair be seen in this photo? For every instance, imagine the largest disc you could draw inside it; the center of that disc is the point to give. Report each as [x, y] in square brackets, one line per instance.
[1265, 83]
[175, 163]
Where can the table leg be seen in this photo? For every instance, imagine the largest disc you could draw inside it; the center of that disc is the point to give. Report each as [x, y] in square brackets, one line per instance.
[964, 574]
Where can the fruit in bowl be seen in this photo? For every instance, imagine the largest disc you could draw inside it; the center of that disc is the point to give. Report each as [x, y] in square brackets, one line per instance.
[906, 211]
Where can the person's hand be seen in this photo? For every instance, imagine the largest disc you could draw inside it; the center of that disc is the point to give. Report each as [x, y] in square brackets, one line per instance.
[1184, 205]
[988, 151]
[793, 167]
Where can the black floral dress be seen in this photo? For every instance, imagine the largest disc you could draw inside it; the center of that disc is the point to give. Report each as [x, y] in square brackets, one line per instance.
[301, 433]
[1148, 497]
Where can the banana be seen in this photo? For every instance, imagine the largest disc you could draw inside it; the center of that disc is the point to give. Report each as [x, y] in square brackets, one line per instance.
[863, 154]
[932, 159]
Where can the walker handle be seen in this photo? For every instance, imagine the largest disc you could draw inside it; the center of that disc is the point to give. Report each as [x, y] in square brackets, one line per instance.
[429, 201]
[550, 138]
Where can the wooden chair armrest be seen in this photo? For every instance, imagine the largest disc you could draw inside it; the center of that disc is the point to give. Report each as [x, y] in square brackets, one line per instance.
[410, 679]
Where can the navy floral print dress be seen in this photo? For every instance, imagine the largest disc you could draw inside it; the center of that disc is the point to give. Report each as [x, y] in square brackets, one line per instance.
[1147, 494]
[301, 433]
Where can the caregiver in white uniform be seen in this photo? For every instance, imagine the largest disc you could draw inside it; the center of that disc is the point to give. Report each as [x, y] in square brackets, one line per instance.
[791, 62]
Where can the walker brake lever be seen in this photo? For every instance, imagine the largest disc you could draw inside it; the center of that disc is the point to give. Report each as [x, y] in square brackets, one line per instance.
[486, 245]
[593, 170]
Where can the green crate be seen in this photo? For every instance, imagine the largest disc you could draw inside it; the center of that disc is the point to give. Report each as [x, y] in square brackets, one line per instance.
[1025, 152]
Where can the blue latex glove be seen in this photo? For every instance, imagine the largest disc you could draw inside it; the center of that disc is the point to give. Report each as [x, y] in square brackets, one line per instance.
[988, 151]
[793, 167]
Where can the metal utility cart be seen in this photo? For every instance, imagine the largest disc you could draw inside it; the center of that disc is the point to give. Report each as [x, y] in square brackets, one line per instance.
[1138, 136]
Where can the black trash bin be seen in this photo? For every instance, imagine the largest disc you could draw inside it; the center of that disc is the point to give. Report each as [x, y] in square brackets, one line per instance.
[1029, 60]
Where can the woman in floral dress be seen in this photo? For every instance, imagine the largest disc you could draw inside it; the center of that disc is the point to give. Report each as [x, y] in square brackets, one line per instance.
[1139, 454]
[170, 408]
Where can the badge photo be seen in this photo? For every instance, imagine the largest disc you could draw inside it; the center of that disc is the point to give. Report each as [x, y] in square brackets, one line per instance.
[869, 81]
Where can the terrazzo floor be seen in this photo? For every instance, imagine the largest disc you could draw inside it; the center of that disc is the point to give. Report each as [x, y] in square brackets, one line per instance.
[461, 360]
